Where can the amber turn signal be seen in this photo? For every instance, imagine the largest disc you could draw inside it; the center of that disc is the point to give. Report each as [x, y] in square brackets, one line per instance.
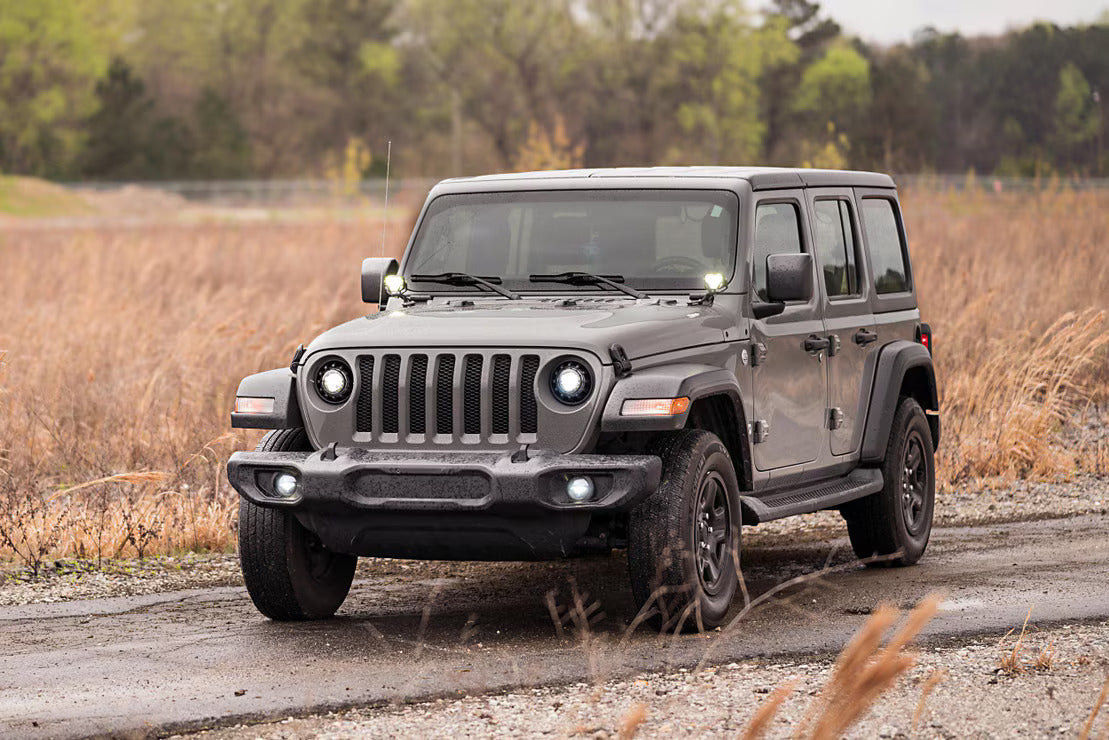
[249, 405]
[655, 406]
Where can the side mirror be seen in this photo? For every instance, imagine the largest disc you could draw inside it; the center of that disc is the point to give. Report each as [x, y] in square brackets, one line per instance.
[374, 270]
[789, 277]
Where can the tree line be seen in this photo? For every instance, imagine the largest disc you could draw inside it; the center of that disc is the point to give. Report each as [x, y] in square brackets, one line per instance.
[162, 89]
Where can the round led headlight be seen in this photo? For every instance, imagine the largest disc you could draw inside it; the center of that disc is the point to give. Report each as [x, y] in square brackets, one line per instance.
[334, 381]
[571, 382]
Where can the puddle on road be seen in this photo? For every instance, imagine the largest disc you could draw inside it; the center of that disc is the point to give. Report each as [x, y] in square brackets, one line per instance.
[961, 605]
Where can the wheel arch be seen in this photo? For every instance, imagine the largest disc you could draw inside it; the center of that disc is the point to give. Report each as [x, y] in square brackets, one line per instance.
[716, 406]
[904, 369]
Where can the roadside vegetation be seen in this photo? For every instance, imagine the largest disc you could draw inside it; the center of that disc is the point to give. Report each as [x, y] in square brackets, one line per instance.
[121, 348]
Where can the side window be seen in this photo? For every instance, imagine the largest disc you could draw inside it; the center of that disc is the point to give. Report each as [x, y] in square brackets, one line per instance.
[777, 231]
[887, 253]
[835, 245]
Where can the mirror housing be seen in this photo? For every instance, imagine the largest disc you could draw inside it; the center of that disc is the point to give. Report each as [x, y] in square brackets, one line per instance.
[374, 270]
[789, 277]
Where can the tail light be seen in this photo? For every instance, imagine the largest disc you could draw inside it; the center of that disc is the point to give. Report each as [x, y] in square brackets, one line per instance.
[924, 336]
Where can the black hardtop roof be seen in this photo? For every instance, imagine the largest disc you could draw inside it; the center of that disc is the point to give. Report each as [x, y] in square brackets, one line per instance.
[760, 178]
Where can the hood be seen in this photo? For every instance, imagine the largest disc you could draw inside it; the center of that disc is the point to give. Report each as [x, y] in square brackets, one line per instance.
[644, 327]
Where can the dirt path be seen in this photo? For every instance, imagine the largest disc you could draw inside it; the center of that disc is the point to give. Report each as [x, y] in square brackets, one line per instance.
[190, 659]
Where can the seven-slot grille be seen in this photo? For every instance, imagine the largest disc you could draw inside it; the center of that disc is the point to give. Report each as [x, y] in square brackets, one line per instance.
[443, 396]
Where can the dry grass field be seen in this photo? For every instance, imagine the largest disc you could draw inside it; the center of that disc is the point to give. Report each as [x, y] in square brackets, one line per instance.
[121, 347]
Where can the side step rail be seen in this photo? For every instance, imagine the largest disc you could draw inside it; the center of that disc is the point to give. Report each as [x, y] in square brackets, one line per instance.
[824, 495]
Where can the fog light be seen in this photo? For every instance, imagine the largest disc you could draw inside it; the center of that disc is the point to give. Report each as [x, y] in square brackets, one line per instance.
[579, 489]
[285, 484]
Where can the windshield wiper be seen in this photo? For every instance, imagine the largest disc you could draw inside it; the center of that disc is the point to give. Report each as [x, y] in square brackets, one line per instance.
[588, 278]
[465, 278]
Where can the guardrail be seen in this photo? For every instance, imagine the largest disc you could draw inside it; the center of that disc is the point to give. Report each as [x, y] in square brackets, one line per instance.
[310, 192]
[302, 192]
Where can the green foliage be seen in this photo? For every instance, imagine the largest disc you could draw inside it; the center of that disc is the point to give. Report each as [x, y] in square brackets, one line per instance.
[232, 88]
[1077, 117]
[718, 59]
[223, 149]
[835, 88]
[49, 62]
[31, 197]
[118, 130]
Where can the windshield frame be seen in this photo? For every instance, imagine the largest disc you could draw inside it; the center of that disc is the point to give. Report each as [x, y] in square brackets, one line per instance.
[732, 202]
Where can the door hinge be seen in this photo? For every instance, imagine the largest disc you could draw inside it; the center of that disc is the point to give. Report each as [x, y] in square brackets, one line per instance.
[835, 418]
[758, 354]
[761, 431]
[833, 345]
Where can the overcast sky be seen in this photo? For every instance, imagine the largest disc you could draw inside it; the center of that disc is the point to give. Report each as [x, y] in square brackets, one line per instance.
[890, 21]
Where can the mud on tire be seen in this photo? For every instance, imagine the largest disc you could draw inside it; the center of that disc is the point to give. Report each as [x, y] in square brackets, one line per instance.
[683, 541]
[894, 524]
[289, 574]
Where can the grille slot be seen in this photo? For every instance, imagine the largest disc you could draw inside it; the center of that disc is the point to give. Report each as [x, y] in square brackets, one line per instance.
[529, 412]
[502, 365]
[390, 395]
[417, 395]
[444, 396]
[364, 413]
[471, 395]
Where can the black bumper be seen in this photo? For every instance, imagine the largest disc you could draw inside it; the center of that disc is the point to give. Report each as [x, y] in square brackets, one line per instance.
[447, 505]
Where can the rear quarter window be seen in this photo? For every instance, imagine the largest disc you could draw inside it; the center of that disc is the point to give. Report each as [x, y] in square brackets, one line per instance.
[886, 245]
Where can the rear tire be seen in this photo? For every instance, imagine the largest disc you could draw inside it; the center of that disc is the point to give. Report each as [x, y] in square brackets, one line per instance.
[289, 574]
[897, 521]
[683, 541]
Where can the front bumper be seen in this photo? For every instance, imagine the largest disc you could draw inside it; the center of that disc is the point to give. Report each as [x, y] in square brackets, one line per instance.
[446, 505]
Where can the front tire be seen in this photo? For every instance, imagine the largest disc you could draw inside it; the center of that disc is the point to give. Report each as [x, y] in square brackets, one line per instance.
[289, 574]
[683, 541]
[894, 524]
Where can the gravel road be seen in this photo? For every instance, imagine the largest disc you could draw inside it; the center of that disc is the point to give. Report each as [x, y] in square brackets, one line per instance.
[973, 699]
[155, 663]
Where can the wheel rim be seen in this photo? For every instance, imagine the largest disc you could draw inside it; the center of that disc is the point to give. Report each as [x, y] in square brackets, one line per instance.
[320, 558]
[712, 533]
[914, 483]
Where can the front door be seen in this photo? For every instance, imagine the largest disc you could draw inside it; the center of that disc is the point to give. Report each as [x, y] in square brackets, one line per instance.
[848, 318]
[790, 387]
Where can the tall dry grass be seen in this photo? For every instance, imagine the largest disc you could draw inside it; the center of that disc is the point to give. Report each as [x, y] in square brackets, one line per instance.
[121, 347]
[1015, 287]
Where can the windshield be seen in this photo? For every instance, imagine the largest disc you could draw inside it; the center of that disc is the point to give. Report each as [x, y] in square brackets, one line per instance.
[650, 239]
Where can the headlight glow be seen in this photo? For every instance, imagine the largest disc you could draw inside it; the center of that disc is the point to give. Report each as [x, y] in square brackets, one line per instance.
[571, 382]
[394, 284]
[334, 381]
[714, 281]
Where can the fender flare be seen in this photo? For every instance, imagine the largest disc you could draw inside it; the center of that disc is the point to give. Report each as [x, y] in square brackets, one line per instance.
[895, 361]
[691, 380]
[281, 386]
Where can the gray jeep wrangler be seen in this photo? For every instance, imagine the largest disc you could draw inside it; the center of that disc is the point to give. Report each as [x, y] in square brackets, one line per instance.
[569, 362]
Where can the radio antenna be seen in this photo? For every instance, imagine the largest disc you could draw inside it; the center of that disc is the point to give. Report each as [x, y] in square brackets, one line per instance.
[385, 220]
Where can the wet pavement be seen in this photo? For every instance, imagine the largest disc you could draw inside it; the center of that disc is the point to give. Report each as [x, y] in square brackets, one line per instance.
[156, 663]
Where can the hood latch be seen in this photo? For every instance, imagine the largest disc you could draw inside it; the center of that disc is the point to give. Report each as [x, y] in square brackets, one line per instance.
[620, 362]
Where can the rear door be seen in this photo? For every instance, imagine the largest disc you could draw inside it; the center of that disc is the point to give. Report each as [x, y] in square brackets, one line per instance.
[790, 387]
[848, 317]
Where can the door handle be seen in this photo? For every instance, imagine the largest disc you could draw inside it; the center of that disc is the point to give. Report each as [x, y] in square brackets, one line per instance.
[814, 344]
[864, 337]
